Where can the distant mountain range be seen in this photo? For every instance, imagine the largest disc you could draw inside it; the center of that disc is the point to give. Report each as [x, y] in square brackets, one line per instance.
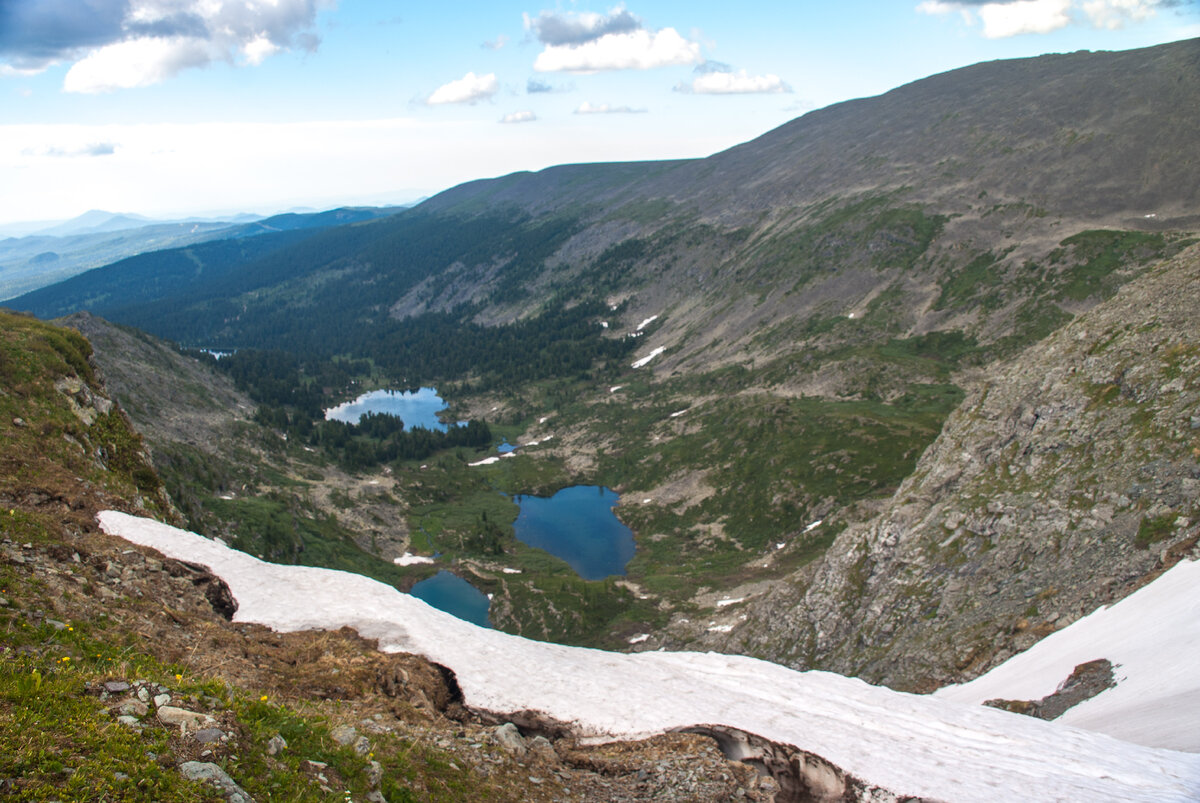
[51, 253]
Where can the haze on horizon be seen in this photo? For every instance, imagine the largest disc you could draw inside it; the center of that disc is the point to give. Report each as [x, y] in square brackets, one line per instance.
[169, 108]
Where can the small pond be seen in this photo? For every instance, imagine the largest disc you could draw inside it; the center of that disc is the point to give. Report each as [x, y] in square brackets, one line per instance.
[577, 524]
[450, 593]
[417, 408]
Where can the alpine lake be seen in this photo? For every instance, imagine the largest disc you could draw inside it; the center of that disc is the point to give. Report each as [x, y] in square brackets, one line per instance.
[576, 524]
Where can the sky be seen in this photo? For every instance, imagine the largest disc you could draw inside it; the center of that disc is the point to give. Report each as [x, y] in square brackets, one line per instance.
[168, 108]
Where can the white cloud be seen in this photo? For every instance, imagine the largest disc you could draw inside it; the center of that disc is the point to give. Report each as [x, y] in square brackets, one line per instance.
[638, 50]
[604, 108]
[471, 88]
[134, 63]
[92, 149]
[576, 28]
[117, 44]
[9, 71]
[495, 44]
[1113, 14]
[734, 83]
[942, 7]
[519, 117]
[258, 50]
[1004, 18]
[1001, 20]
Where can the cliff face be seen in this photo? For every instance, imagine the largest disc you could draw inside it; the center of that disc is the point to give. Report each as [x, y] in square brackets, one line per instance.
[1066, 478]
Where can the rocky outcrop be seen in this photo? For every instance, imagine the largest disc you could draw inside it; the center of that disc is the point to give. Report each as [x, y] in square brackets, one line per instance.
[1068, 477]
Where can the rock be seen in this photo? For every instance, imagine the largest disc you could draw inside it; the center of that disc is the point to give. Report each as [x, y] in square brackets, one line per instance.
[345, 735]
[276, 745]
[116, 686]
[362, 745]
[375, 796]
[374, 774]
[208, 735]
[132, 707]
[212, 774]
[541, 749]
[161, 699]
[130, 721]
[509, 738]
[186, 720]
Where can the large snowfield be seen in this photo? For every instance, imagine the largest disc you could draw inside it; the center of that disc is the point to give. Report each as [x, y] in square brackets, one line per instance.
[1152, 637]
[943, 747]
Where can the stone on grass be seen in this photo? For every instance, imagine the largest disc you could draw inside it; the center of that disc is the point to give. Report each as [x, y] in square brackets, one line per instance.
[212, 774]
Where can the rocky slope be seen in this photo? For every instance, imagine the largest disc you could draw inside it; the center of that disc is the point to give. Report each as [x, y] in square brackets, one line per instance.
[1067, 477]
[204, 443]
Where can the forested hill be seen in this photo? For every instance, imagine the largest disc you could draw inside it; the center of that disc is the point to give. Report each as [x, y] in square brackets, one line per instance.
[42, 259]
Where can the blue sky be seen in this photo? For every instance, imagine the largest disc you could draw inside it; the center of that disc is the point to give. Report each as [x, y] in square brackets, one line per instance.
[172, 107]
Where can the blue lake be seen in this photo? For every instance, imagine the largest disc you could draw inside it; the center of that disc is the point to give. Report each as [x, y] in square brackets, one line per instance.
[450, 593]
[416, 408]
[577, 524]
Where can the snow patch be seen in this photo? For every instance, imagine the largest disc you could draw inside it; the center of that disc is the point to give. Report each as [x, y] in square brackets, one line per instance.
[615, 388]
[720, 628]
[639, 638]
[645, 360]
[814, 525]
[1153, 639]
[510, 570]
[487, 461]
[409, 559]
[721, 603]
[676, 415]
[912, 745]
[647, 322]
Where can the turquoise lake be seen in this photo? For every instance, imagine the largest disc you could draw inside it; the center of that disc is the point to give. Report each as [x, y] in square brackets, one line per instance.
[450, 593]
[578, 525]
[417, 408]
